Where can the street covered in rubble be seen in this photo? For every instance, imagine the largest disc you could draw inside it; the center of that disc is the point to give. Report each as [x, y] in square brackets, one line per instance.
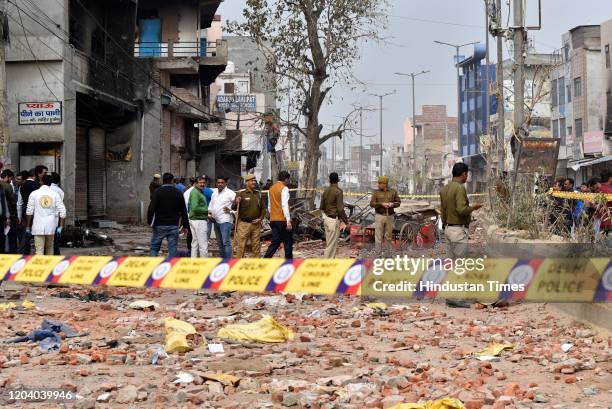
[305, 204]
[319, 351]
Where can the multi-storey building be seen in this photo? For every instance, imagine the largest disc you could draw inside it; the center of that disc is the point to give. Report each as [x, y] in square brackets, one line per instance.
[577, 98]
[109, 93]
[472, 116]
[435, 133]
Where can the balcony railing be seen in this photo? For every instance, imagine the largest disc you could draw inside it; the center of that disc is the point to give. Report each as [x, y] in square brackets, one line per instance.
[176, 49]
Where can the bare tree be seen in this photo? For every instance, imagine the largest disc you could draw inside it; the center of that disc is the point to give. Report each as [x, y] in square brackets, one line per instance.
[310, 46]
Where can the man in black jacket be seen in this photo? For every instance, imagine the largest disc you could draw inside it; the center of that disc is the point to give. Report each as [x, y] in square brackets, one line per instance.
[31, 184]
[167, 207]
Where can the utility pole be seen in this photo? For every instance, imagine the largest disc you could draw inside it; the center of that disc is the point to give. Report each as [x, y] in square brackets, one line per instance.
[519, 75]
[381, 96]
[333, 155]
[412, 75]
[4, 133]
[500, 140]
[487, 88]
[360, 145]
[457, 47]
[344, 154]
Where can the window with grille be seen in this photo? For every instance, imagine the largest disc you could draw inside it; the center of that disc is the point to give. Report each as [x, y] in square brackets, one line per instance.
[577, 87]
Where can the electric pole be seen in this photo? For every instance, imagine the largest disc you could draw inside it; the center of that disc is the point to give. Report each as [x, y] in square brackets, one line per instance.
[360, 145]
[500, 140]
[457, 47]
[414, 126]
[519, 75]
[4, 133]
[381, 96]
[487, 89]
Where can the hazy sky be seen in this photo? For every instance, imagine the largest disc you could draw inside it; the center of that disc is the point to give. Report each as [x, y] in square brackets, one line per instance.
[411, 48]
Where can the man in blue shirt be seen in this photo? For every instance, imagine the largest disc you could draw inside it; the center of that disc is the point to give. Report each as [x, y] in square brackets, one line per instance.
[180, 185]
[208, 194]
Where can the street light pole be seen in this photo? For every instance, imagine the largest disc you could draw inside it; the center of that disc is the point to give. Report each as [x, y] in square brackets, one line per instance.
[457, 47]
[360, 145]
[412, 75]
[381, 96]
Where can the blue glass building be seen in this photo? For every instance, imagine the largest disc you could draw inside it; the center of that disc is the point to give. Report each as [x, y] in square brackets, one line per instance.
[472, 118]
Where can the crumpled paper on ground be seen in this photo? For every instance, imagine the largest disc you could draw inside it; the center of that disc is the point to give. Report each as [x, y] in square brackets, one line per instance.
[495, 349]
[444, 403]
[224, 379]
[144, 305]
[25, 305]
[266, 330]
[176, 335]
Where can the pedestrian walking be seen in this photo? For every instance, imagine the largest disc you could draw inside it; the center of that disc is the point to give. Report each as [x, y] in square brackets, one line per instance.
[29, 185]
[251, 210]
[46, 215]
[384, 201]
[55, 186]
[198, 219]
[220, 212]
[154, 185]
[280, 218]
[456, 212]
[166, 210]
[332, 207]
[6, 182]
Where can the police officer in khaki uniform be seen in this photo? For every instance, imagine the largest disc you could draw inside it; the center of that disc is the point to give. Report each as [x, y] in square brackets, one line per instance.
[251, 211]
[332, 206]
[384, 200]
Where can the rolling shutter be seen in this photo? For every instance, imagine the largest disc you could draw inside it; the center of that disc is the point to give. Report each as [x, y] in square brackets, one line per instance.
[80, 182]
[96, 178]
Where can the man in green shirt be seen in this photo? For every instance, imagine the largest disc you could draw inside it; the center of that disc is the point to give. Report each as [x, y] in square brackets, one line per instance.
[332, 206]
[251, 211]
[198, 219]
[456, 212]
[384, 200]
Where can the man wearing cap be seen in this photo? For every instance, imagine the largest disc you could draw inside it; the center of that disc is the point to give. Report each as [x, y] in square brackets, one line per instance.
[251, 211]
[332, 206]
[155, 183]
[384, 200]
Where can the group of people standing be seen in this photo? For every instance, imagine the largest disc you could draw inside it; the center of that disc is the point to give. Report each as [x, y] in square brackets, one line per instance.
[578, 213]
[32, 206]
[199, 208]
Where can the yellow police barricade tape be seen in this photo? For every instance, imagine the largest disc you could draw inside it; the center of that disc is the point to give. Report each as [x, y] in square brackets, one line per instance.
[542, 280]
[589, 197]
[410, 196]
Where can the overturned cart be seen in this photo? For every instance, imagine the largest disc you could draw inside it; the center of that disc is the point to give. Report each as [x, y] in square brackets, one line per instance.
[416, 226]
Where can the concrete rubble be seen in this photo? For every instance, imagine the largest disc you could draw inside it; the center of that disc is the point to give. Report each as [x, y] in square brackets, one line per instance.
[344, 354]
[331, 363]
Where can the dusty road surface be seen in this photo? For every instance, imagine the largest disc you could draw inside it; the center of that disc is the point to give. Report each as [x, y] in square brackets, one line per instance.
[343, 355]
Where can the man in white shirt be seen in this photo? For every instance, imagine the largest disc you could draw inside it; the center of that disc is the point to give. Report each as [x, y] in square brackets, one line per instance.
[43, 209]
[219, 210]
[55, 177]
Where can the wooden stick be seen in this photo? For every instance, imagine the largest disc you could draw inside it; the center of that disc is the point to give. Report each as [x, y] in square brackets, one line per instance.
[236, 227]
